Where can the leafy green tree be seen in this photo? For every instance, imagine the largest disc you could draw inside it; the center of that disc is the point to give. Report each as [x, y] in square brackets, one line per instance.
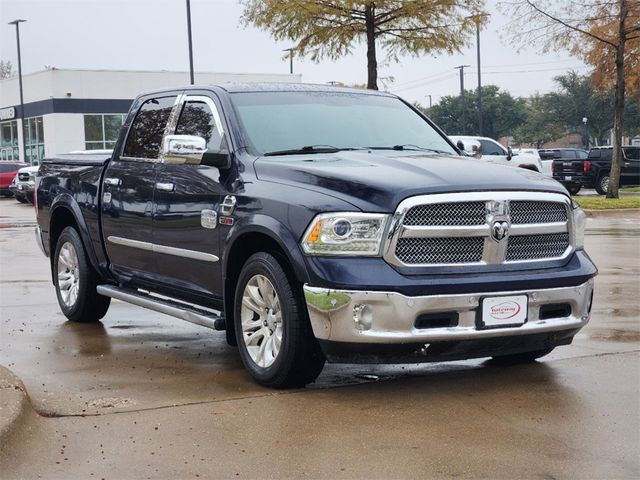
[541, 124]
[331, 28]
[577, 98]
[502, 114]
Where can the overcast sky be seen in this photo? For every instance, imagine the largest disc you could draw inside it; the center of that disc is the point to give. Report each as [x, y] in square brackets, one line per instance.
[151, 35]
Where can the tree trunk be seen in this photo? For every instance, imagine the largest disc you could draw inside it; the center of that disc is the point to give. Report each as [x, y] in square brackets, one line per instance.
[618, 119]
[372, 63]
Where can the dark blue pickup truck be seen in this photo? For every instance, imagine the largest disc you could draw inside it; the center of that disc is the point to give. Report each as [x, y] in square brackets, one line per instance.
[315, 223]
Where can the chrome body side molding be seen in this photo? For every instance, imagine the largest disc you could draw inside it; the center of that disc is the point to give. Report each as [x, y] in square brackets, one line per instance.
[152, 247]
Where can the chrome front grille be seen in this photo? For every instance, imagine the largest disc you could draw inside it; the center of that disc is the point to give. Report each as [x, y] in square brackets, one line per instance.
[537, 247]
[537, 212]
[462, 213]
[440, 250]
[479, 228]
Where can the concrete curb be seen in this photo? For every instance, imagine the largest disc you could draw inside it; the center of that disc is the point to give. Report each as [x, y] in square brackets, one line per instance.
[15, 405]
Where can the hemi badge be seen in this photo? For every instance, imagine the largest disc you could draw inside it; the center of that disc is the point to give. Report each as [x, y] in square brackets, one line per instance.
[226, 221]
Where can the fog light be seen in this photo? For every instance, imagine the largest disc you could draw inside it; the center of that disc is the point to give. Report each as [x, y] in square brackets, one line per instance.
[362, 316]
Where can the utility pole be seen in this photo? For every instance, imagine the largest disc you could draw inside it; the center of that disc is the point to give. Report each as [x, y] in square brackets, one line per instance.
[24, 141]
[479, 79]
[428, 95]
[190, 41]
[290, 50]
[464, 121]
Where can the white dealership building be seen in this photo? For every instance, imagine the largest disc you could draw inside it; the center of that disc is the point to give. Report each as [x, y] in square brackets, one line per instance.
[66, 110]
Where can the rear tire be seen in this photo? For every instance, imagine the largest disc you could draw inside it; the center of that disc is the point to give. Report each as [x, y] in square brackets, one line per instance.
[76, 280]
[520, 358]
[274, 336]
[574, 189]
[21, 199]
[602, 185]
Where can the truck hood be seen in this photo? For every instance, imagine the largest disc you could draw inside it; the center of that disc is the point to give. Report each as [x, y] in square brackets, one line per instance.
[377, 182]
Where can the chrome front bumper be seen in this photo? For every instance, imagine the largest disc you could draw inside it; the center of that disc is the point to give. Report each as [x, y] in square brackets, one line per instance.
[393, 315]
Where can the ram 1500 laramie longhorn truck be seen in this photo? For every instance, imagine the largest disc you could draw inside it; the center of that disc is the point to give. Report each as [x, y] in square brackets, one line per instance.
[315, 223]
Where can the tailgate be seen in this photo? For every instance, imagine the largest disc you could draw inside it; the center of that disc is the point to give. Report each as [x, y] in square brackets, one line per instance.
[567, 168]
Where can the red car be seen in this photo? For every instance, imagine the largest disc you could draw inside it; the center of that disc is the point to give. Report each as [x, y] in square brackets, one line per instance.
[8, 171]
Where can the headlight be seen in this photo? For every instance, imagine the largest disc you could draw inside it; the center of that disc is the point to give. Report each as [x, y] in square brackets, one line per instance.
[579, 222]
[345, 234]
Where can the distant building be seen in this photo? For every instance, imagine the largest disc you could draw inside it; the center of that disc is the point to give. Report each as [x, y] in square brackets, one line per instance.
[69, 110]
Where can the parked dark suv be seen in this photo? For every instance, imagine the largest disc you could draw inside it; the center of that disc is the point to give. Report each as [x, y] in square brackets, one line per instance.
[568, 157]
[593, 172]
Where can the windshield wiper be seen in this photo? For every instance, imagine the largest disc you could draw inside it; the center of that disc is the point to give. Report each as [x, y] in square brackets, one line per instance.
[308, 149]
[410, 147]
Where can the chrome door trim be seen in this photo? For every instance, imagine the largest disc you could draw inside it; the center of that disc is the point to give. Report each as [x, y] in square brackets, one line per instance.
[165, 186]
[155, 248]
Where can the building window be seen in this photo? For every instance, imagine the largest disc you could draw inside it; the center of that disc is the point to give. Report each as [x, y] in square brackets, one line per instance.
[34, 140]
[9, 149]
[101, 131]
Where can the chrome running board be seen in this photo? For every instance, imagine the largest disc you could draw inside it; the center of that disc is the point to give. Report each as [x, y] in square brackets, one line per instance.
[167, 306]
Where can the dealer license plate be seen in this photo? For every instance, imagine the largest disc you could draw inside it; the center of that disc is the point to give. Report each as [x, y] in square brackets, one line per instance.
[568, 177]
[19, 187]
[504, 311]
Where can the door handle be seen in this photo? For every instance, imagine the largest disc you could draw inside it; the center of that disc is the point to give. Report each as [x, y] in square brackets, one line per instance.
[114, 182]
[165, 187]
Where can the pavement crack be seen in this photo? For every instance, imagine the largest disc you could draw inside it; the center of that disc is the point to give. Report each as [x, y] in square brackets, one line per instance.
[49, 414]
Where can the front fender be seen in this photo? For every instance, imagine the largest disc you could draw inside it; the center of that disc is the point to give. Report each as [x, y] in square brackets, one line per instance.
[274, 229]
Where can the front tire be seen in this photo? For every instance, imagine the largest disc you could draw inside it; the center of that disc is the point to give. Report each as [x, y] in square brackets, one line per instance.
[22, 199]
[76, 281]
[602, 185]
[274, 335]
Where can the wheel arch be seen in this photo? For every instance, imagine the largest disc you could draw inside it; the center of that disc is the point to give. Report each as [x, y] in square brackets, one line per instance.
[65, 212]
[258, 234]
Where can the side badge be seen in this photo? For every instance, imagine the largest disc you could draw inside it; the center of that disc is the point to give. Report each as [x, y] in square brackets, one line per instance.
[208, 218]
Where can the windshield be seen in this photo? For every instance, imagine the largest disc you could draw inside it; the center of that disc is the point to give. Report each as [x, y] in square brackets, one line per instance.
[290, 121]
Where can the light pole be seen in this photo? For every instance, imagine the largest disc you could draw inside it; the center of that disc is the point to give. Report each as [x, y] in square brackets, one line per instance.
[464, 121]
[429, 95]
[190, 41]
[290, 50]
[479, 79]
[586, 133]
[17, 23]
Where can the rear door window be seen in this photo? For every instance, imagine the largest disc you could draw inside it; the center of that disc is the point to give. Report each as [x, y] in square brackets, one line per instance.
[145, 134]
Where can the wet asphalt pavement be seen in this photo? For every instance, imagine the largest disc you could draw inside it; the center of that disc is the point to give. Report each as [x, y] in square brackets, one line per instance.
[142, 395]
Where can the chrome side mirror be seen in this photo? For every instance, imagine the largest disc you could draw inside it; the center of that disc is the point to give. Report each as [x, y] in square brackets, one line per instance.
[180, 149]
[470, 147]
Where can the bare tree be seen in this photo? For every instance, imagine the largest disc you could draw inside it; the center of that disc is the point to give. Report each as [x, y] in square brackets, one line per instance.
[602, 32]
